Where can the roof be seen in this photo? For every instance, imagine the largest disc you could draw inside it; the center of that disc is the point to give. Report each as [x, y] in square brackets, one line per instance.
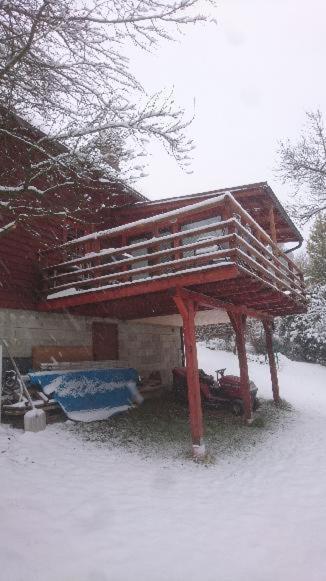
[16, 124]
[256, 198]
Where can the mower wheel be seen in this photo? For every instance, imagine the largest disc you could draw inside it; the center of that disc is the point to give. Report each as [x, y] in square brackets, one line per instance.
[237, 408]
[255, 404]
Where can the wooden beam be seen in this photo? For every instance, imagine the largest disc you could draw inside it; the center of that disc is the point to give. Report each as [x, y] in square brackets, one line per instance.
[187, 310]
[205, 275]
[213, 303]
[271, 358]
[239, 325]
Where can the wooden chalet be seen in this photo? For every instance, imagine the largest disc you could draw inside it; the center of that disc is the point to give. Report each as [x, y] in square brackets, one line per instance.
[212, 251]
[165, 263]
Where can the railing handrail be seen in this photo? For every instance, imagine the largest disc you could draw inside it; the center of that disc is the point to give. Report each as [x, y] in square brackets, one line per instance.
[152, 256]
[143, 244]
[167, 216]
[262, 232]
[274, 257]
[272, 260]
[285, 281]
[164, 216]
[152, 268]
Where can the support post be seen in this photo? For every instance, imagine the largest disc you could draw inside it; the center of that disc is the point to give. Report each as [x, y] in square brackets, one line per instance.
[187, 310]
[239, 324]
[268, 327]
[1, 352]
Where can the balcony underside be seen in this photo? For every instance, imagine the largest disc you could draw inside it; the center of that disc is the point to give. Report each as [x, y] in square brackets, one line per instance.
[230, 283]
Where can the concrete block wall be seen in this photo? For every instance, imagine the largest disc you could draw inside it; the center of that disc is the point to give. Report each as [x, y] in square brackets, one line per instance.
[150, 348]
[145, 347]
[26, 329]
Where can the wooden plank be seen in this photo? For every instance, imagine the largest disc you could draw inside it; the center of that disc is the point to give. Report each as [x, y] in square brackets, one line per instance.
[80, 365]
[45, 354]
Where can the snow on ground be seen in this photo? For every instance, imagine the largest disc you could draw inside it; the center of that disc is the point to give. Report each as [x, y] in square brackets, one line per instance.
[73, 510]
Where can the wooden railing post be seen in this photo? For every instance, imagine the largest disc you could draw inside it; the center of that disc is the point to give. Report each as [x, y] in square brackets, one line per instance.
[272, 227]
[238, 322]
[176, 241]
[227, 214]
[268, 327]
[187, 310]
[124, 242]
[154, 248]
[94, 245]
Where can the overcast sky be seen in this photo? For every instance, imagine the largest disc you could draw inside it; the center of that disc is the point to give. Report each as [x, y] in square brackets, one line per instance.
[252, 76]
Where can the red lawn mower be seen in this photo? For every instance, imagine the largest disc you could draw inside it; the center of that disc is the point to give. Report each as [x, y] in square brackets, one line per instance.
[224, 392]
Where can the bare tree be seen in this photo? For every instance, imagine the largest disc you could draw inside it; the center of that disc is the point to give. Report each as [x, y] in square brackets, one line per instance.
[64, 67]
[304, 165]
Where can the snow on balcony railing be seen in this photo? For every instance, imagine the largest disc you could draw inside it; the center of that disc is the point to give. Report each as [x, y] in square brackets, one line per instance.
[210, 234]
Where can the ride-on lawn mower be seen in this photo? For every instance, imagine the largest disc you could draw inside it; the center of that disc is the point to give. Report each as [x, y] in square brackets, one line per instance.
[224, 392]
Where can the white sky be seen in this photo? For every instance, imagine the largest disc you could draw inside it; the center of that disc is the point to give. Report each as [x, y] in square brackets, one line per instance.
[253, 76]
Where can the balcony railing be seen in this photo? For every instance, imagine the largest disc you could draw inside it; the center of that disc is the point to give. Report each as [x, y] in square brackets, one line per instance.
[212, 234]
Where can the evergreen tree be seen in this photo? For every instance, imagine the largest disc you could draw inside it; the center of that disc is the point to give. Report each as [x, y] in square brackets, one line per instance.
[303, 337]
[316, 249]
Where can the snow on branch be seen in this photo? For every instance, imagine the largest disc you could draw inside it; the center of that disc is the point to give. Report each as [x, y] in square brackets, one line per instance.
[303, 164]
[64, 68]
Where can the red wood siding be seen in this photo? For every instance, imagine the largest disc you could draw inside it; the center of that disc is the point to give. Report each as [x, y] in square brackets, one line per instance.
[20, 284]
[19, 272]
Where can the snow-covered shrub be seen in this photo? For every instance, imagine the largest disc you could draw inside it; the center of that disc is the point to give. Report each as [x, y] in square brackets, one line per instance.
[256, 358]
[256, 336]
[303, 337]
[219, 345]
[217, 337]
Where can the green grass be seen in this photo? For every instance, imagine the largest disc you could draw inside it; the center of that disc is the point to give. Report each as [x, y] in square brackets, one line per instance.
[161, 427]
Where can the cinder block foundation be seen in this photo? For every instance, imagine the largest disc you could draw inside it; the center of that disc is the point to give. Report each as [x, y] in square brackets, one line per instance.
[146, 347]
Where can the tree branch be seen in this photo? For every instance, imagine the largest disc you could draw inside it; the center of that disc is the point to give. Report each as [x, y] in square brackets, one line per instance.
[23, 51]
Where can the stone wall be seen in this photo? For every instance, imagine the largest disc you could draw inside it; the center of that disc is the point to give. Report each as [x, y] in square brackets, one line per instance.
[145, 347]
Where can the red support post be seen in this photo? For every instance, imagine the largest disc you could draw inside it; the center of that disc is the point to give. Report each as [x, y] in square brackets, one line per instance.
[187, 310]
[268, 327]
[239, 324]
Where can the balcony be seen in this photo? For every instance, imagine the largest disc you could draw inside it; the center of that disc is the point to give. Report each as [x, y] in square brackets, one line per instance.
[213, 246]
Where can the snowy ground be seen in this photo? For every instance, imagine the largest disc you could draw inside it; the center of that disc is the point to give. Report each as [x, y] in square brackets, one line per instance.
[77, 510]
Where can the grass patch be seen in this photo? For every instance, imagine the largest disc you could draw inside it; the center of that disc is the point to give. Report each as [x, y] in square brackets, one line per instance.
[161, 427]
[258, 422]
